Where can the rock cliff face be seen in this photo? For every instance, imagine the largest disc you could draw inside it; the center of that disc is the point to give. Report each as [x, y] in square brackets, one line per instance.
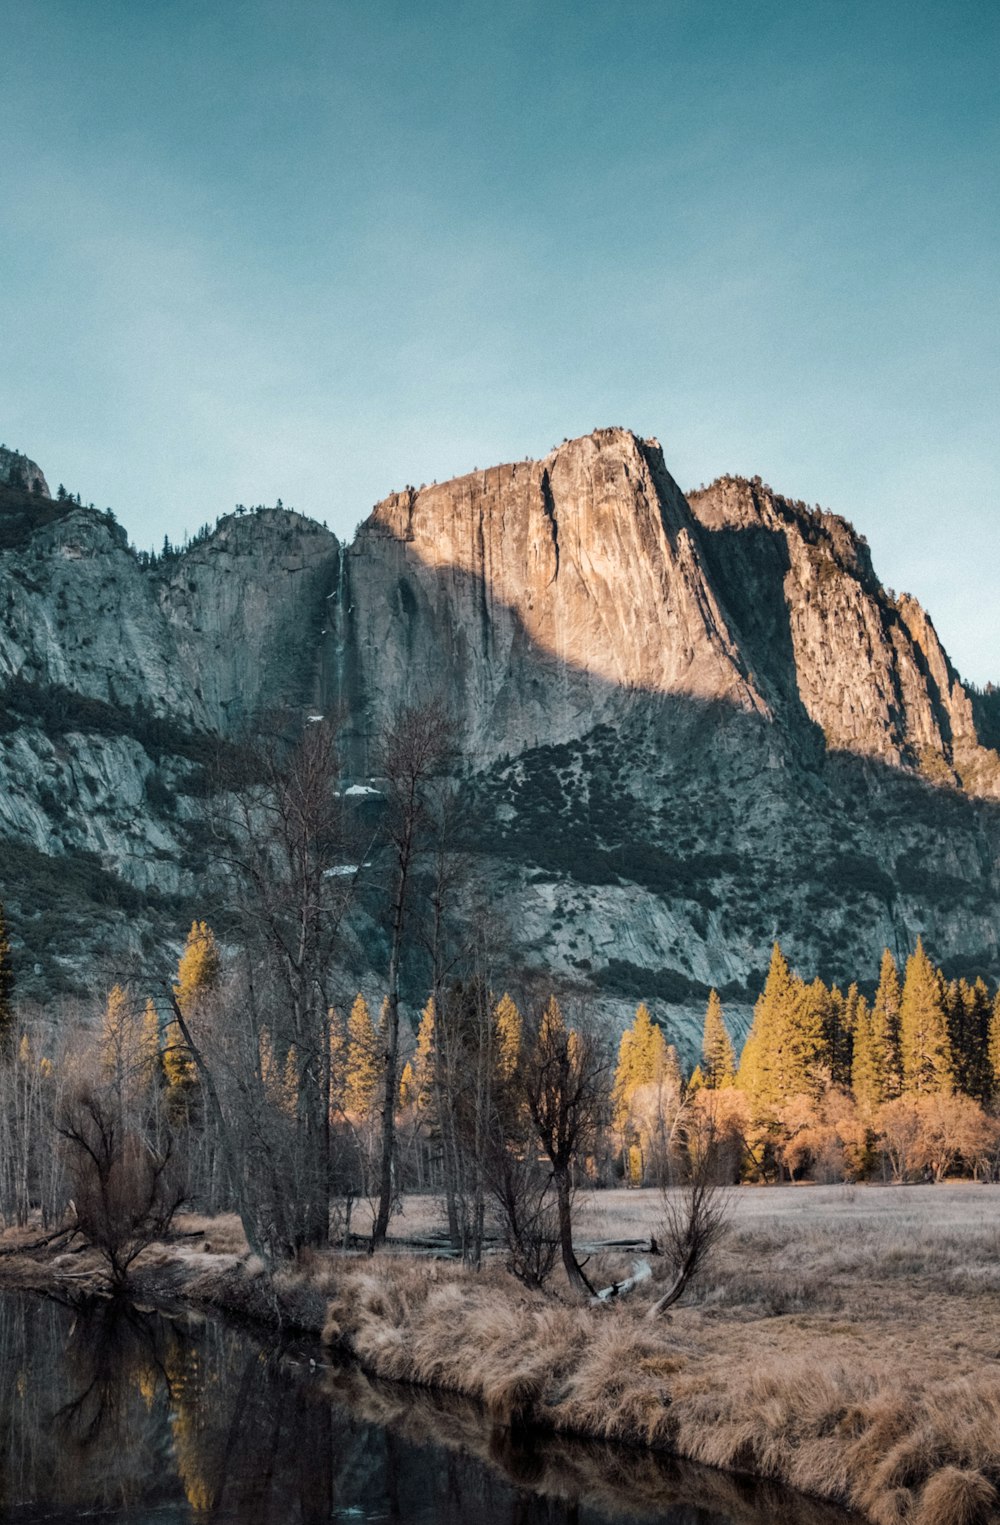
[18, 472]
[829, 642]
[692, 724]
[540, 598]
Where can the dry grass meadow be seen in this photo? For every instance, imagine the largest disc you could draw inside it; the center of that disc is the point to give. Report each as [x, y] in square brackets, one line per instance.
[844, 1340]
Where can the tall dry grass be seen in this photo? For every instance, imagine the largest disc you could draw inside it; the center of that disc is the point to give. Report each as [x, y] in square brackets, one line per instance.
[847, 1345]
[639, 1484]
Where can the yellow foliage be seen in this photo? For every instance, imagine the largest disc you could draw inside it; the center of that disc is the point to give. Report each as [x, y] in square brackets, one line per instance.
[507, 1022]
[364, 1066]
[198, 969]
[642, 1059]
[115, 1033]
[416, 1087]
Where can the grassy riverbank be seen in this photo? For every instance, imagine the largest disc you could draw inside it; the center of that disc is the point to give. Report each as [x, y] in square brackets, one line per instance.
[845, 1341]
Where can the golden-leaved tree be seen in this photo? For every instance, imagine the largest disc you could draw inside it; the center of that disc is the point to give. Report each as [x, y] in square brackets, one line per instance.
[718, 1060]
[646, 1096]
[925, 1044]
[197, 977]
[363, 1069]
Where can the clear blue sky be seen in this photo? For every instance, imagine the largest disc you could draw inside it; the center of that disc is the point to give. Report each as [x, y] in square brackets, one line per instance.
[317, 250]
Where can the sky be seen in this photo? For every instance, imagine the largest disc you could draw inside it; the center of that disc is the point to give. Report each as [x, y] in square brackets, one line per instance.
[319, 250]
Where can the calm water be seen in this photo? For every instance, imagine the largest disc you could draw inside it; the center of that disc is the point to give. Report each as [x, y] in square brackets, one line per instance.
[133, 1417]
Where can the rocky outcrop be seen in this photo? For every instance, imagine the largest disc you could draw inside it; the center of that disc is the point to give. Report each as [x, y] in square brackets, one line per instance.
[691, 725]
[18, 472]
[245, 612]
[541, 598]
[830, 644]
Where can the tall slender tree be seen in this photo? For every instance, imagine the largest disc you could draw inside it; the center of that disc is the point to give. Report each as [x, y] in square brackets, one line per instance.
[783, 1054]
[718, 1066]
[363, 1067]
[925, 1046]
[885, 1027]
[413, 754]
[198, 973]
[994, 1048]
[6, 990]
[642, 1057]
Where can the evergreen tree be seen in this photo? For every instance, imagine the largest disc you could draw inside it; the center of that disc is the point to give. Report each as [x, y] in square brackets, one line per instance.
[783, 1054]
[839, 1021]
[197, 976]
[6, 990]
[115, 1025]
[994, 1048]
[719, 1061]
[507, 1022]
[863, 1085]
[873, 1078]
[337, 1046]
[885, 1027]
[363, 1069]
[968, 1009]
[980, 1071]
[199, 966]
[642, 1057]
[416, 1086]
[925, 1047]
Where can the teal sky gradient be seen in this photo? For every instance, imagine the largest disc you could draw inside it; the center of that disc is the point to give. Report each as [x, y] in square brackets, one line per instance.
[319, 250]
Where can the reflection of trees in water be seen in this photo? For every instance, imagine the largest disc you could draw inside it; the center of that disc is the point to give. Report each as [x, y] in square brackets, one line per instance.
[115, 1406]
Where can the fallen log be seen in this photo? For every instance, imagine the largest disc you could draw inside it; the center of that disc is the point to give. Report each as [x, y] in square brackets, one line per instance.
[641, 1271]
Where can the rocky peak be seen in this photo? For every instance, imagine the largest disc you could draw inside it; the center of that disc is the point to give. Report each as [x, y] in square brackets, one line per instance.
[245, 608]
[830, 646]
[543, 595]
[692, 724]
[17, 471]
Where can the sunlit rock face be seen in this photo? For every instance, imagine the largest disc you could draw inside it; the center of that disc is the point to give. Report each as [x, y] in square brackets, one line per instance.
[690, 725]
[827, 640]
[542, 597]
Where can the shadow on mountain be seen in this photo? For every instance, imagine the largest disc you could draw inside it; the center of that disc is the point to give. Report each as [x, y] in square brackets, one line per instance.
[746, 828]
[747, 825]
[748, 566]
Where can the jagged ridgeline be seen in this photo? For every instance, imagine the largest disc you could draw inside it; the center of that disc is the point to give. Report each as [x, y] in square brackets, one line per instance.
[691, 725]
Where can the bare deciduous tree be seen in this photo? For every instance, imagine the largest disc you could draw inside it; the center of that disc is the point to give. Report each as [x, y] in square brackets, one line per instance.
[125, 1190]
[291, 853]
[564, 1078]
[412, 755]
[695, 1216]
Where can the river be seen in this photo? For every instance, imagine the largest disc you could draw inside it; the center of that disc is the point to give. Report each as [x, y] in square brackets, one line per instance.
[125, 1415]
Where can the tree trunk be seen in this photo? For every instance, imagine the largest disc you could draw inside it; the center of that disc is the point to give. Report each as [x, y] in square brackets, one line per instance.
[571, 1265]
[247, 1217]
[381, 1227]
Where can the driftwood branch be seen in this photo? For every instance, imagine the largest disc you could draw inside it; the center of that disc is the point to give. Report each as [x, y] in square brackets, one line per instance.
[641, 1271]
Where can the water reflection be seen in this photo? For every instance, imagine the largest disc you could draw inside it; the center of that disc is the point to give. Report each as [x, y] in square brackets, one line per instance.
[127, 1414]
